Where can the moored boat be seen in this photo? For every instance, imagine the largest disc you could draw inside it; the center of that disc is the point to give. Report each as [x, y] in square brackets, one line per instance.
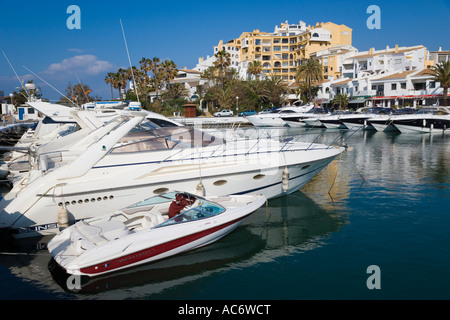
[150, 230]
[427, 120]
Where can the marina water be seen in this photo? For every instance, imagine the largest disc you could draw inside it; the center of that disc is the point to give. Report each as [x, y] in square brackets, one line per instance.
[384, 204]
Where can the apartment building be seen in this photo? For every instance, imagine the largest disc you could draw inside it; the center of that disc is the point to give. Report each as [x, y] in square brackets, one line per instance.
[281, 51]
[230, 47]
[389, 77]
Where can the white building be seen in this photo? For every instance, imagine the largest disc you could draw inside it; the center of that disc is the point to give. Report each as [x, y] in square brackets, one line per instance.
[229, 47]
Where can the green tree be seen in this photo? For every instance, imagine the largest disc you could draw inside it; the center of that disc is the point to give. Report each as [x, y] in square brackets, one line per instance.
[222, 62]
[255, 68]
[309, 72]
[111, 79]
[442, 75]
[78, 94]
[175, 91]
[277, 91]
[340, 100]
[169, 71]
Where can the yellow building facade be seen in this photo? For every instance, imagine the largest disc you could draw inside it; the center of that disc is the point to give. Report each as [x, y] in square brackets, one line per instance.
[289, 45]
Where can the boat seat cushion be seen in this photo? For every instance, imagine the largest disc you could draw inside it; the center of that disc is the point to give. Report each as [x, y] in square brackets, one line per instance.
[151, 220]
[134, 210]
[102, 232]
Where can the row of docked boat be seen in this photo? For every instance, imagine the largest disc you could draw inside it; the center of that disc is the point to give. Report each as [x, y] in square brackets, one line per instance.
[129, 187]
[406, 120]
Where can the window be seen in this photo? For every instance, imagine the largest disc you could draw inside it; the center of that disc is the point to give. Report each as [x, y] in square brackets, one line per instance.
[419, 86]
[315, 35]
[432, 84]
[393, 86]
[403, 85]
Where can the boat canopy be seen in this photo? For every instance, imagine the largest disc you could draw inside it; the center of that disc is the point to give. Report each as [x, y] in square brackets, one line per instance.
[146, 138]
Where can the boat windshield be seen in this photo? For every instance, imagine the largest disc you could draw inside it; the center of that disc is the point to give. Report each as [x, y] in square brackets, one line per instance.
[201, 210]
[147, 138]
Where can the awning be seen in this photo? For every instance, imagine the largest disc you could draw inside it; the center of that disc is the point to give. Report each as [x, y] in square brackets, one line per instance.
[358, 101]
[417, 97]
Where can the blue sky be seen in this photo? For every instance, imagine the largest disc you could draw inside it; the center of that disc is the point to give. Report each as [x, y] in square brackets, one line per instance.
[34, 34]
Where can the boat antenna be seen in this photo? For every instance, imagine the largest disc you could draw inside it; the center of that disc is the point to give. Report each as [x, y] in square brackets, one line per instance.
[129, 60]
[52, 87]
[21, 83]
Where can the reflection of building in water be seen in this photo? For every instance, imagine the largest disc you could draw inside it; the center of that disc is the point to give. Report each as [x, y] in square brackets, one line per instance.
[330, 187]
[403, 162]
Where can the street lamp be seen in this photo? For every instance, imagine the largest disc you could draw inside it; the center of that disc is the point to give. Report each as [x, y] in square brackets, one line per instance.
[237, 104]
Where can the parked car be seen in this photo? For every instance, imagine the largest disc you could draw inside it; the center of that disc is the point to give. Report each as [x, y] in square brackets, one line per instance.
[247, 113]
[224, 113]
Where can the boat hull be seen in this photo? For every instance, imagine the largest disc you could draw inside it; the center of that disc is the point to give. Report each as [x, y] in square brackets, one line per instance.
[423, 125]
[267, 120]
[333, 123]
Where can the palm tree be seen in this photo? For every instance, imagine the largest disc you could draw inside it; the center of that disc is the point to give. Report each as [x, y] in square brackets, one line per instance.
[223, 61]
[145, 81]
[111, 80]
[341, 100]
[277, 90]
[442, 74]
[122, 77]
[310, 72]
[169, 71]
[255, 68]
[157, 75]
[176, 91]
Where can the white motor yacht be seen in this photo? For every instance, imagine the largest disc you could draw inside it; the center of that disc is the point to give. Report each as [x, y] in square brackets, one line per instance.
[385, 122]
[427, 120]
[360, 118]
[333, 120]
[95, 171]
[276, 117]
[300, 119]
[58, 121]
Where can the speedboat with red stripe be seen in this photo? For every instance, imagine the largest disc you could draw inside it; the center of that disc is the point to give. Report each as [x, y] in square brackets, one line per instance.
[150, 230]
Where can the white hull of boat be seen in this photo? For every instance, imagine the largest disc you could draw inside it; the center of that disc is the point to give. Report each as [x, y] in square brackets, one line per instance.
[266, 120]
[417, 129]
[83, 250]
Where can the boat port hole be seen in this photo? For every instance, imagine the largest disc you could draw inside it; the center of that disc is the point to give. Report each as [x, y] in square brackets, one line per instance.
[220, 182]
[259, 176]
[160, 190]
[306, 167]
